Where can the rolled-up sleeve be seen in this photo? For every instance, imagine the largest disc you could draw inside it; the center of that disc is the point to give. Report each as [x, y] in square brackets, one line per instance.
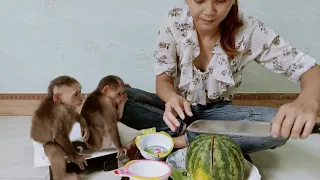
[165, 51]
[273, 52]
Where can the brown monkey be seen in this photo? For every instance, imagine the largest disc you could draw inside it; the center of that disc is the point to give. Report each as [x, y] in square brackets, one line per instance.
[52, 123]
[102, 110]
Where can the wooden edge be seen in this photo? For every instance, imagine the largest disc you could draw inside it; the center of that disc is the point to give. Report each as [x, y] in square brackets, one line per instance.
[25, 104]
[239, 96]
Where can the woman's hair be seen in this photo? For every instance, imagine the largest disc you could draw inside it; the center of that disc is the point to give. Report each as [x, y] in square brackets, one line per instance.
[229, 28]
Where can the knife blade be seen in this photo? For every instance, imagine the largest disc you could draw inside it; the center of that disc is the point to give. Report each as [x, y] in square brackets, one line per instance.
[240, 128]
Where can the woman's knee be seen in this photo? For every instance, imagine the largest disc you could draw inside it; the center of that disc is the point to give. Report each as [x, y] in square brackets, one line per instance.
[138, 95]
[270, 112]
[270, 143]
[251, 144]
[262, 113]
[131, 92]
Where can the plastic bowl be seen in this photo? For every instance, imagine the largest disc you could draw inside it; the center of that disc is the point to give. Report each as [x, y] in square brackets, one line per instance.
[155, 146]
[145, 169]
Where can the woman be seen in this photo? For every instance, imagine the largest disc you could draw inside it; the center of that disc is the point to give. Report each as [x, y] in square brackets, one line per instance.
[200, 55]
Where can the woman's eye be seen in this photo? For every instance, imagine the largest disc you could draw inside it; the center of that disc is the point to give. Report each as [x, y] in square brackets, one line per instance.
[199, 1]
[220, 1]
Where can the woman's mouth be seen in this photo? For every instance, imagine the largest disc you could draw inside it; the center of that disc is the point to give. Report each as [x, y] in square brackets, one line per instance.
[207, 21]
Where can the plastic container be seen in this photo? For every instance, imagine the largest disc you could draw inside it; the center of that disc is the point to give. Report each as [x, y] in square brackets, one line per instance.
[145, 170]
[155, 145]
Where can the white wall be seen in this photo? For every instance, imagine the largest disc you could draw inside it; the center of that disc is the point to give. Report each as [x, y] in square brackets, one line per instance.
[42, 39]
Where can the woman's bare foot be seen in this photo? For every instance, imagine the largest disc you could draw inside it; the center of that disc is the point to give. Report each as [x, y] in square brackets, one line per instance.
[180, 142]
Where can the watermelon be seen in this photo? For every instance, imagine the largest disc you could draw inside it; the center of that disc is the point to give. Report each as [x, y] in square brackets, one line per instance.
[215, 157]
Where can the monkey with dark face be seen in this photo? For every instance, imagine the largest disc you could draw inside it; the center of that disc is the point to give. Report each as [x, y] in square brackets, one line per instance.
[53, 121]
[102, 110]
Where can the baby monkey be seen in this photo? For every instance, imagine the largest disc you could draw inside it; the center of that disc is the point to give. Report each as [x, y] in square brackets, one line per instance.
[102, 110]
[53, 121]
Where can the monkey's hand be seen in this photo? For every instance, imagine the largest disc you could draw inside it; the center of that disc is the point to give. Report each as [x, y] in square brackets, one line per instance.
[130, 145]
[85, 133]
[122, 150]
[127, 85]
[81, 161]
[121, 106]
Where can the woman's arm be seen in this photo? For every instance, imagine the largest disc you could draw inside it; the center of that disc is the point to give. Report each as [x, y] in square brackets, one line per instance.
[165, 65]
[310, 85]
[298, 118]
[165, 88]
[166, 71]
[175, 104]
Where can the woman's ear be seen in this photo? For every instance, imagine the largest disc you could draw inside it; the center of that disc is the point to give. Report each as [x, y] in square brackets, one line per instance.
[56, 97]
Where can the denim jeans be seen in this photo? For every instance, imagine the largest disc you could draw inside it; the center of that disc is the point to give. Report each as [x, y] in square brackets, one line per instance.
[145, 110]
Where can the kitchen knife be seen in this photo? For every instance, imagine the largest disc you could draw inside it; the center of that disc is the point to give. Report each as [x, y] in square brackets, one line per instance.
[240, 128]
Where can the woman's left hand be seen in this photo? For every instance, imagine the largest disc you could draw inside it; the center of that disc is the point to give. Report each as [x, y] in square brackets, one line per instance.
[296, 119]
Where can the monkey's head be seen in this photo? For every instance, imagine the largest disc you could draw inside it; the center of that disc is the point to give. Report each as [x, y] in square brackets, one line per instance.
[113, 87]
[66, 90]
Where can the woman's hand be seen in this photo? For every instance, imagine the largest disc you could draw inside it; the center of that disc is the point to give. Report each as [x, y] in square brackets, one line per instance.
[177, 105]
[296, 119]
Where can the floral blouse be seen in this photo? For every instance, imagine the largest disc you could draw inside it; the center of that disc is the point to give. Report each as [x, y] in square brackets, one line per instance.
[177, 46]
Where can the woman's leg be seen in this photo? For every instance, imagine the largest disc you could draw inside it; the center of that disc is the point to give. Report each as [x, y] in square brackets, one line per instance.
[226, 111]
[144, 110]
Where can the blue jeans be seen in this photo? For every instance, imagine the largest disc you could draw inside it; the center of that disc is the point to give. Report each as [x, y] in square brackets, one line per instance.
[145, 110]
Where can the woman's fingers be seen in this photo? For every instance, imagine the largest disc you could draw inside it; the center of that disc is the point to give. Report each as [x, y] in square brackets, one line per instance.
[178, 109]
[277, 123]
[168, 113]
[177, 106]
[187, 108]
[169, 123]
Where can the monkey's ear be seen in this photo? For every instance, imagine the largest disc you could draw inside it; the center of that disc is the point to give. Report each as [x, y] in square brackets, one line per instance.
[56, 97]
[105, 89]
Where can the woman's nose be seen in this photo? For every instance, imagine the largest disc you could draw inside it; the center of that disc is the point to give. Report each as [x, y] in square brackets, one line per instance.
[210, 9]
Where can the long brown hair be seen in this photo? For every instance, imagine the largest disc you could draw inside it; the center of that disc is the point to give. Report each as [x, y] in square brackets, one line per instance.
[229, 28]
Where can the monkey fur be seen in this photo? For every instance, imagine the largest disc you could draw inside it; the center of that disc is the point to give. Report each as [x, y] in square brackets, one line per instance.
[102, 109]
[52, 123]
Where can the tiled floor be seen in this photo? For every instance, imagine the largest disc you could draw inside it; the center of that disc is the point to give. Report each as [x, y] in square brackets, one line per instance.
[297, 160]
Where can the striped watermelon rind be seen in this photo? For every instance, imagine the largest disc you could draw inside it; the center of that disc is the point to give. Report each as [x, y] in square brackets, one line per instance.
[228, 159]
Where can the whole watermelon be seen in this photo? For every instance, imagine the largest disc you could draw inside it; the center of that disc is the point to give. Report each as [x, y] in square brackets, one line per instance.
[215, 157]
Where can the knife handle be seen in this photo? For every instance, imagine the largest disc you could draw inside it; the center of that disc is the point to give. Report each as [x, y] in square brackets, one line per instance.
[316, 129]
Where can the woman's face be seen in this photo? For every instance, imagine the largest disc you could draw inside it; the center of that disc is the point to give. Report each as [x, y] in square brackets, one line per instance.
[208, 14]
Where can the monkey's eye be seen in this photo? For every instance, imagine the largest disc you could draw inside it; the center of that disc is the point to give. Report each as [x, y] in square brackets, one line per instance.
[76, 94]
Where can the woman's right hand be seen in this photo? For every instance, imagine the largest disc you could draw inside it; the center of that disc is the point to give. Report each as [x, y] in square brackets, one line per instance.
[177, 105]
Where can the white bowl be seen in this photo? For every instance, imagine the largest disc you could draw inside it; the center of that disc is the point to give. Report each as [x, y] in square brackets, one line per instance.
[157, 139]
[145, 169]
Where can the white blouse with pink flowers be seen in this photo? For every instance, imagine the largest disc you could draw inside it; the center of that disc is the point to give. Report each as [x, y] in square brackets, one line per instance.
[177, 46]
